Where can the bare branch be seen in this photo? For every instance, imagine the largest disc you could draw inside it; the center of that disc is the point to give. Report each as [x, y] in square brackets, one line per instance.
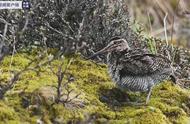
[59, 32]
[4, 21]
[63, 90]
[165, 28]
[5, 29]
[15, 78]
[25, 25]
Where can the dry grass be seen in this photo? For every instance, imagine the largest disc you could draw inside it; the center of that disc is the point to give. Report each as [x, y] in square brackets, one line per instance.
[152, 13]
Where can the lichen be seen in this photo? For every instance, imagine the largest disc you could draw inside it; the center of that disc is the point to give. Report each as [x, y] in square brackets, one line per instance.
[100, 101]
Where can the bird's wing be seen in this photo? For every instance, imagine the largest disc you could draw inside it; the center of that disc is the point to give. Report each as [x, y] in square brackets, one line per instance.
[140, 62]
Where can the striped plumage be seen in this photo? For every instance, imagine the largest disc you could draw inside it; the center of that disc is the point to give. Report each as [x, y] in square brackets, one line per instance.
[135, 69]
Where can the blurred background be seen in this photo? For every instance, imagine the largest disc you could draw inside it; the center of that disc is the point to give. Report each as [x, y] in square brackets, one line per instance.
[87, 26]
[151, 15]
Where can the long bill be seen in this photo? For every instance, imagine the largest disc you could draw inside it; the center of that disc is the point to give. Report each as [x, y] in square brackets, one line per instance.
[104, 50]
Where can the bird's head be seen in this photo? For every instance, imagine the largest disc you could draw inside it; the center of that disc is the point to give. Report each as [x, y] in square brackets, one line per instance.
[116, 45]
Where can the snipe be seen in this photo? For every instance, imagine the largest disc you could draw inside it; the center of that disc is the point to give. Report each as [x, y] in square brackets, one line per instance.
[135, 69]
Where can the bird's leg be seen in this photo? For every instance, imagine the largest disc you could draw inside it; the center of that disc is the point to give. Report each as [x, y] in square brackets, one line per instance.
[149, 94]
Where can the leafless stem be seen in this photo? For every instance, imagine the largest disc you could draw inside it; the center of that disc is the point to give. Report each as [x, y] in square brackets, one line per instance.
[80, 29]
[60, 74]
[59, 32]
[15, 77]
[5, 29]
[184, 80]
[67, 23]
[13, 52]
[26, 23]
[150, 25]
[165, 28]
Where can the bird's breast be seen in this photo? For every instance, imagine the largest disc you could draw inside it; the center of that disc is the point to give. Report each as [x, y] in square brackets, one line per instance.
[125, 81]
[113, 68]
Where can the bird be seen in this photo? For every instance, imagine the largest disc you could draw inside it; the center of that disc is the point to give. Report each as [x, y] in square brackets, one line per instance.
[135, 69]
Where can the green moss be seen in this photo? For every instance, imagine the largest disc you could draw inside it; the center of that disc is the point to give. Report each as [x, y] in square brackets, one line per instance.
[62, 114]
[18, 61]
[177, 115]
[149, 116]
[8, 115]
[100, 101]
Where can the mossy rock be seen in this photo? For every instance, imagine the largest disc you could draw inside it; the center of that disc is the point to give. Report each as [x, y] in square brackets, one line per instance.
[32, 98]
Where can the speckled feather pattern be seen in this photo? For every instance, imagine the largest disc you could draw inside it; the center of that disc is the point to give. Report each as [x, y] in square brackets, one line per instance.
[137, 70]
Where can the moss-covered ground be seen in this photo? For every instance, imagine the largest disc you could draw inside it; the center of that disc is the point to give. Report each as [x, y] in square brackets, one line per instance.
[31, 99]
